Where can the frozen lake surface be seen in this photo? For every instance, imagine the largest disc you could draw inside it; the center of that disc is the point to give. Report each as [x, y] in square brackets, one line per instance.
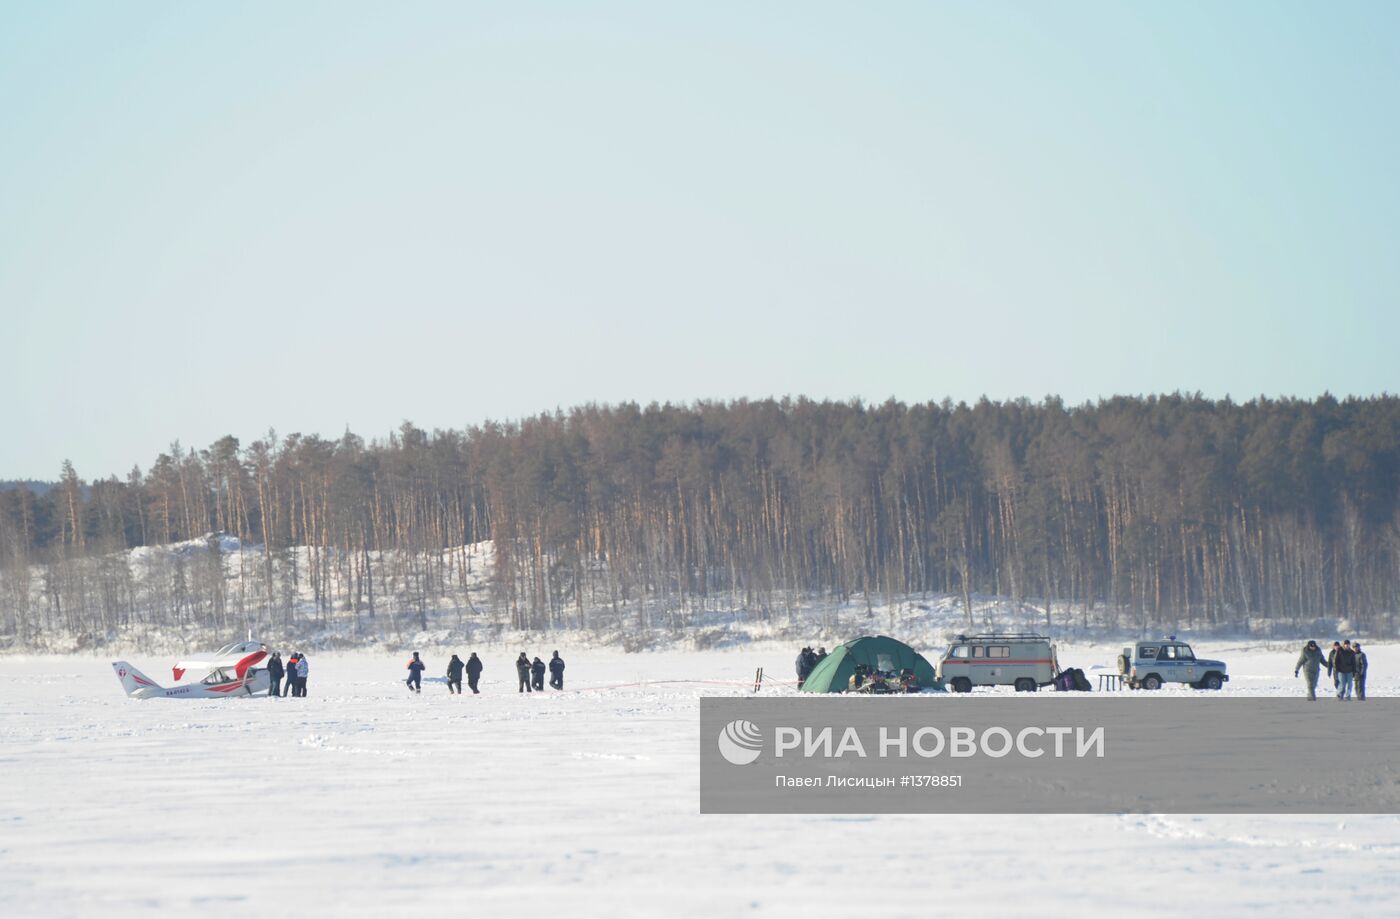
[366, 800]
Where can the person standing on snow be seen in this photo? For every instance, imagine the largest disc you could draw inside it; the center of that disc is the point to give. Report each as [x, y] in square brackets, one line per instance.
[1310, 662]
[556, 671]
[415, 674]
[1332, 661]
[1344, 668]
[522, 670]
[303, 668]
[537, 672]
[454, 675]
[1360, 672]
[290, 689]
[804, 666]
[473, 672]
[274, 675]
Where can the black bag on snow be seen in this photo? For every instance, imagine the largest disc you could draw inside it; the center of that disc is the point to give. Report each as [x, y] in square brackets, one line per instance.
[1072, 680]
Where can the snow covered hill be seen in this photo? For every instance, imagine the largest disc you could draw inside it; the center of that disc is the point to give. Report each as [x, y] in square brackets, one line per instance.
[205, 592]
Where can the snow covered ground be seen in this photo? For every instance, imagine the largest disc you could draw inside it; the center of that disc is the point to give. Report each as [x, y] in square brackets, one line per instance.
[365, 800]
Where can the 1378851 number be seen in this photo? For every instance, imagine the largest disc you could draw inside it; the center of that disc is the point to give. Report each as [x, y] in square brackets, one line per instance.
[936, 781]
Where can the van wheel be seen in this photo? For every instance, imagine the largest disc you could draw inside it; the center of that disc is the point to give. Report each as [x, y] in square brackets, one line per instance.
[1152, 681]
[1211, 681]
[1025, 684]
[962, 684]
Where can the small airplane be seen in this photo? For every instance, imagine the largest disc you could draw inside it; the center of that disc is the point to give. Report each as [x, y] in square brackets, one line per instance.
[230, 671]
[221, 683]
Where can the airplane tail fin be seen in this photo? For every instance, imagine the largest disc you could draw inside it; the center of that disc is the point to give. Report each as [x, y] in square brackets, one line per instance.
[133, 681]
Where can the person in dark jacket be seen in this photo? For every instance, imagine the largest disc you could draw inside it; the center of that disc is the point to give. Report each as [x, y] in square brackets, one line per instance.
[556, 671]
[1344, 668]
[1332, 660]
[821, 655]
[537, 672]
[1360, 672]
[454, 675]
[303, 670]
[1310, 662]
[274, 675]
[522, 670]
[415, 673]
[473, 672]
[805, 663]
[291, 689]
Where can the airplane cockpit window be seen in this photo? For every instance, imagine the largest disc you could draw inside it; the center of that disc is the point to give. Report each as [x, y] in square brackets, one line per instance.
[218, 676]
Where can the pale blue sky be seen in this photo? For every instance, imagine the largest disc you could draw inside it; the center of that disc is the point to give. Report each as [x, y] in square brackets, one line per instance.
[216, 218]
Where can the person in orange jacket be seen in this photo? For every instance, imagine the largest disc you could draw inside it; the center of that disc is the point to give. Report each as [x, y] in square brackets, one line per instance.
[291, 689]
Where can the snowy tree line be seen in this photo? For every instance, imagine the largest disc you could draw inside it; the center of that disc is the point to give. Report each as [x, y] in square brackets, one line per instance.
[1134, 512]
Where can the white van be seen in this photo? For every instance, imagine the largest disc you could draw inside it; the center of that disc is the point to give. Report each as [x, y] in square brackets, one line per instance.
[1149, 664]
[1024, 661]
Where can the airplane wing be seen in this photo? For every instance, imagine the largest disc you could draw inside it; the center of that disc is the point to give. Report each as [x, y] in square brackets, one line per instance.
[237, 657]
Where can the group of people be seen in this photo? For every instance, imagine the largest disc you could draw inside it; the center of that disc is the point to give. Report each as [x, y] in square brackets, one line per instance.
[472, 667]
[295, 670]
[531, 673]
[1345, 663]
[807, 661]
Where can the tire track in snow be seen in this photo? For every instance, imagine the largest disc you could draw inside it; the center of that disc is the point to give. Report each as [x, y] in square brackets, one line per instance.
[1165, 828]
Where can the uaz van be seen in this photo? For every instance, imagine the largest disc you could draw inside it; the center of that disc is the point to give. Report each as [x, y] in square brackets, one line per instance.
[1024, 661]
[1149, 664]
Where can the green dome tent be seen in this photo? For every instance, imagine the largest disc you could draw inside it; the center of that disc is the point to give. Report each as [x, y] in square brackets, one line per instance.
[879, 652]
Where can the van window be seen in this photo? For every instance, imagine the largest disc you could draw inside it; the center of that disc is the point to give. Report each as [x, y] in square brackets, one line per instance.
[999, 651]
[1148, 652]
[1184, 653]
[959, 652]
[979, 651]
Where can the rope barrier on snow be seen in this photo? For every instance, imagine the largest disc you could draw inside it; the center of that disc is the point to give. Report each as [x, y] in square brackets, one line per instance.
[747, 683]
[665, 682]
